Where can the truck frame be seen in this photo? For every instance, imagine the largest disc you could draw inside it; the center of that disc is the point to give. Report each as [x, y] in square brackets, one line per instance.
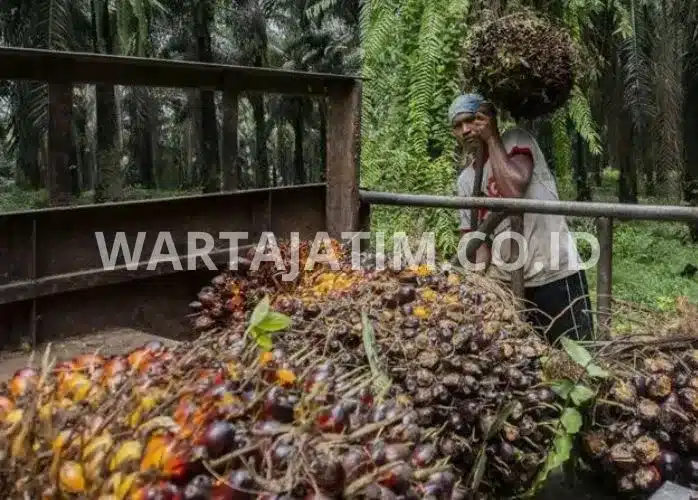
[52, 281]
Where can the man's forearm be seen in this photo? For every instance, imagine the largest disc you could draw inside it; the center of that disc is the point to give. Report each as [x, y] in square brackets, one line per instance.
[510, 178]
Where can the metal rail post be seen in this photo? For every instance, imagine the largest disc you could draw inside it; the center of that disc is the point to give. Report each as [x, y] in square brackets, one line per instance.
[517, 277]
[604, 276]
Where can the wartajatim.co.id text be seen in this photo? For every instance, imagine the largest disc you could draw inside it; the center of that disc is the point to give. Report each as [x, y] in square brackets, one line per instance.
[406, 251]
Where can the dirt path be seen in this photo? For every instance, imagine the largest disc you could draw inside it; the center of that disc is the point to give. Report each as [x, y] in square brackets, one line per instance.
[110, 342]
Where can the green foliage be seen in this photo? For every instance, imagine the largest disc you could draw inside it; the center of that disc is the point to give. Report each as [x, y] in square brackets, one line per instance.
[411, 61]
[264, 322]
[575, 394]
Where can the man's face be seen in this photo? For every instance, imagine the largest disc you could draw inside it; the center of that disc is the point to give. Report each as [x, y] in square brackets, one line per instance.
[463, 130]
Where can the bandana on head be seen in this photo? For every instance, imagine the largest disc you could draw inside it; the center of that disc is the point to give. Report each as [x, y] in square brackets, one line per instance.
[464, 103]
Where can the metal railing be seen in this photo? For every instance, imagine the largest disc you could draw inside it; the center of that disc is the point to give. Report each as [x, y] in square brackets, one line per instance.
[605, 213]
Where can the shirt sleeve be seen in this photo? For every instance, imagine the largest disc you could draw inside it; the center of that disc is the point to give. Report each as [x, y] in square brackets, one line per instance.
[522, 143]
[465, 188]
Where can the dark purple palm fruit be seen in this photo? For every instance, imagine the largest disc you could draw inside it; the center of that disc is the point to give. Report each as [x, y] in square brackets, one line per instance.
[671, 415]
[690, 434]
[689, 399]
[646, 450]
[662, 437]
[594, 446]
[648, 412]
[681, 379]
[659, 386]
[669, 465]
[647, 478]
[626, 484]
[691, 358]
[690, 470]
[623, 392]
[640, 384]
[633, 431]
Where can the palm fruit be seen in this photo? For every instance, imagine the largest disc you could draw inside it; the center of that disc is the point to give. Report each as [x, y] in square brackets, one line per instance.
[522, 63]
[648, 425]
[221, 420]
[458, 353]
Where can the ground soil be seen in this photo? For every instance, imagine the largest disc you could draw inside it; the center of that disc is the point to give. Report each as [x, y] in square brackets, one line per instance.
[108, 342]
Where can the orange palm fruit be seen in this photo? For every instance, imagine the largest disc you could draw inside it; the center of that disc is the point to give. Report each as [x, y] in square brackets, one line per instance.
[156, 452]
[6, 405]
[71, 477]
[139, 357]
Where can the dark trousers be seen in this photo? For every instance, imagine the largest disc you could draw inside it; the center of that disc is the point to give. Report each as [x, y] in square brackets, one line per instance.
[570, 295]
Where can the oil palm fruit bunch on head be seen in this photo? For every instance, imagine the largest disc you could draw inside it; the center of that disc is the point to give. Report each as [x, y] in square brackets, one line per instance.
[522, 63]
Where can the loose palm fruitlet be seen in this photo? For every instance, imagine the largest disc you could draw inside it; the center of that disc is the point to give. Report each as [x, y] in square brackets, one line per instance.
[211, 419]
[645, 428]
[451, 344]
[521, 63]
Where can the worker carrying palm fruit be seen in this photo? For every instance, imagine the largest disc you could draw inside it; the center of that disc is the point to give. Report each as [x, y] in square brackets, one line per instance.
[513, 166]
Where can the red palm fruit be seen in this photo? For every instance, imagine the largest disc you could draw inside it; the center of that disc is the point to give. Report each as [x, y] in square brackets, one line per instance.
[397, 478]
[335, 420]
[23, 381]
[89, 361]
[647, 478]
[424, 455]
[154, 346]
[6, 405]
[63, 368]
[114, 366]
[161, 491]
[199, 488]
[184, 411]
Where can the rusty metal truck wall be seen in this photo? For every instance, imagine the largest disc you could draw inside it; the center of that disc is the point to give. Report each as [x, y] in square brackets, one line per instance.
[51, 257]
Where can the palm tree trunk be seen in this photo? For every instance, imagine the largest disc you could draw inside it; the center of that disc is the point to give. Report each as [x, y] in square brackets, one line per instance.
[142, 136]
[210, 166]
[109, 185]
[261, 157]
[323, 139]
[298, 163]
[28, 167]
[60, 175]
[580, 173]
[690, 129]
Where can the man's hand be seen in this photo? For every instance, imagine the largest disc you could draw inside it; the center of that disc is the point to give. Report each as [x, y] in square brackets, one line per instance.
[485, 127]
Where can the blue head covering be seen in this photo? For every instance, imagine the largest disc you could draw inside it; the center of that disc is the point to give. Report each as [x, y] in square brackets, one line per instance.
[465, 103]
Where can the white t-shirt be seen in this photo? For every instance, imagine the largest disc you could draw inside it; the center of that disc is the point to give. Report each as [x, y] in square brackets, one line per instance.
[543, 233]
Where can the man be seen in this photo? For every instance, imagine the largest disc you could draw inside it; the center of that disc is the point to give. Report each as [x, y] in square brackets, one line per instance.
[514, 167]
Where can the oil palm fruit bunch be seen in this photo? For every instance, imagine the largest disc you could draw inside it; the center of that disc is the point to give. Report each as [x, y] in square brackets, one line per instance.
[450, 344]
[231, 295]
[522, 63]
[645, 427]
[216, 419]
[460, 356]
